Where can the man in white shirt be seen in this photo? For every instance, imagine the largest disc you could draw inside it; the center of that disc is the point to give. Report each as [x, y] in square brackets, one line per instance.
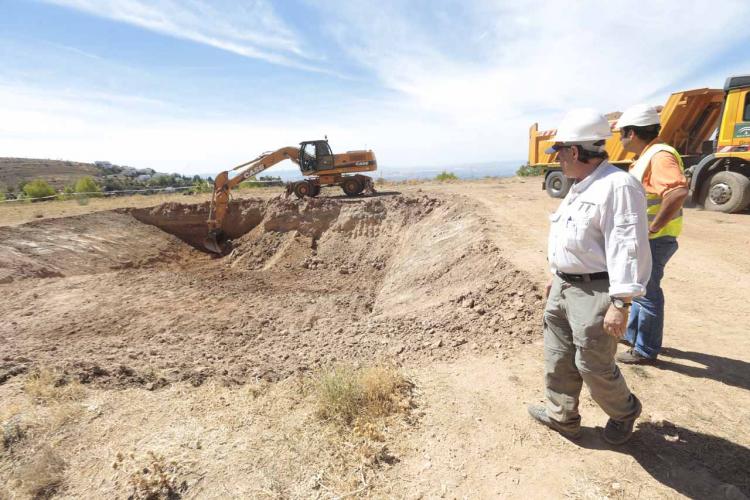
[600, 259]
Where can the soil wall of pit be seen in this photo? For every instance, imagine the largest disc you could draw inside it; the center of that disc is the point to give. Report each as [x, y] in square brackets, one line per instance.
[306, 283]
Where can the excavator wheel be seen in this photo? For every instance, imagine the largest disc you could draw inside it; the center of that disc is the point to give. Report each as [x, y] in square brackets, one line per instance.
[302, 189]
[352, 186]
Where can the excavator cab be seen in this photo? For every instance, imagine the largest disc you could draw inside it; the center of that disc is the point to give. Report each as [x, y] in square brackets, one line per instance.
[315, 156]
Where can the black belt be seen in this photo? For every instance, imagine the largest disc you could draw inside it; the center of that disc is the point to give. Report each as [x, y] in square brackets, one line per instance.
[582, 278]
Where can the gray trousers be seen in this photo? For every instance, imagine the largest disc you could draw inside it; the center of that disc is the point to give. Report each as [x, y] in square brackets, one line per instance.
[577, 350]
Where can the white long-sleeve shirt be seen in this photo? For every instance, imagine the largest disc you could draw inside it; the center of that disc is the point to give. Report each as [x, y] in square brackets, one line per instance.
[601, 225]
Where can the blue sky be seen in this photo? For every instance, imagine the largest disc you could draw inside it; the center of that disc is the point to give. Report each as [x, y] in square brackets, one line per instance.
[196, 86]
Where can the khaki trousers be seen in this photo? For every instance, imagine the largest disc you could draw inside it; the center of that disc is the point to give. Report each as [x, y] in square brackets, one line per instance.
[577, 350]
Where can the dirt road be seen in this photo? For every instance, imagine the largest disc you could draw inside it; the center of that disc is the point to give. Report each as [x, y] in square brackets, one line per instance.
[441, 278]
[694, 437]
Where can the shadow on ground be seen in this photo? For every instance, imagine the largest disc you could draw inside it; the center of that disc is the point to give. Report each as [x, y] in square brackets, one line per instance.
[728, 371]
[693, 464]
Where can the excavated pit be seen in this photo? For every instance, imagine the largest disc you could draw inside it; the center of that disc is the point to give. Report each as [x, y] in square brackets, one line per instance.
[118, 298]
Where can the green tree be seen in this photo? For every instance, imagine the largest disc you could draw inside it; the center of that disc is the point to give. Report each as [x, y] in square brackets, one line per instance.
[67, 192]
[446, 176]
[529, 170]
[202, 186]
[38, 189]
[87, 185]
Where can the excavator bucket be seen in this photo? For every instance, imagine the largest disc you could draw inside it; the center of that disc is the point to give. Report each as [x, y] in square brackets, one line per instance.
[215, 242]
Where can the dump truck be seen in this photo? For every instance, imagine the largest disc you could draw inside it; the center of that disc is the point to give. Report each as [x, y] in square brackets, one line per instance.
[318, 165]
[710, 128]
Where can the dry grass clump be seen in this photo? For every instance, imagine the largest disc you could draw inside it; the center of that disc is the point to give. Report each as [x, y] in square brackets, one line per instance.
[47, 386]
[159, 479]
[13, 431]
[42, 476]
[347, 395]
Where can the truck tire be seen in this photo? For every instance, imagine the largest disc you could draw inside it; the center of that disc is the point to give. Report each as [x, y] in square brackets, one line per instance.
[727, 192]
[556, 184]
[302, 189]
[352, 186]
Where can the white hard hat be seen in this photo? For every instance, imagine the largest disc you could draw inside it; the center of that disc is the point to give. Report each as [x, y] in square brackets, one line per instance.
[585, 127]
[640, 115]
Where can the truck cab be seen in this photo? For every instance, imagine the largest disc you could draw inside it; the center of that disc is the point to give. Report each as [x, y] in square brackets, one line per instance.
[721, 180]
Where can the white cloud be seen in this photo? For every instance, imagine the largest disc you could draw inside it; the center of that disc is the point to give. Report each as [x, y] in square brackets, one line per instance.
[540, 57]
[249, 28]
[521, 62]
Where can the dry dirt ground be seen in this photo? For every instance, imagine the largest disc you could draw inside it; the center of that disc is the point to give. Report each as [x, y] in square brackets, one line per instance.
[170, 361]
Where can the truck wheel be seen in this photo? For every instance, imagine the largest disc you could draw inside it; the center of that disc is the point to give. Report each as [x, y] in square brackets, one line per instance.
[352, 186]
[727, 192]
[557, 185]
[302, 189]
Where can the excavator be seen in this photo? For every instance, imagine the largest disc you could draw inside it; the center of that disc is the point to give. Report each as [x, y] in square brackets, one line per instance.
[318, 165]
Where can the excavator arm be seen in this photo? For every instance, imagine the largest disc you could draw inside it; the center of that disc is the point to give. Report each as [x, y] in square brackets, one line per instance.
[216, 238]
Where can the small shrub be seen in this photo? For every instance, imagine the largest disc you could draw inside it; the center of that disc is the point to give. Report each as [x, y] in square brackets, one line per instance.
[446, 176]
[2, 195]
[347, 394]
[67, 193]
[38, 189]
[250, 184]
[43, 475]
[202, 186]
[530, 170]
[46, 386]
[88, 185]
[13, 431]
[158, 479]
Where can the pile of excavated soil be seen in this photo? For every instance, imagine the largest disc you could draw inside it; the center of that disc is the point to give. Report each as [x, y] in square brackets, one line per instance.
[114, 300]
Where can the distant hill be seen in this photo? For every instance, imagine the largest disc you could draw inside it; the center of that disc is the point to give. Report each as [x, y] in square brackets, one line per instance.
[15, 171]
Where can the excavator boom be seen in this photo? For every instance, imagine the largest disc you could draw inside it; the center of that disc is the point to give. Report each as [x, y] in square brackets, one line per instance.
[214, 242]
[317, 163]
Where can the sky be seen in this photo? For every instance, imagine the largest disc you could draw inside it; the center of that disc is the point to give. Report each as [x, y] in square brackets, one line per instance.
[197, 86]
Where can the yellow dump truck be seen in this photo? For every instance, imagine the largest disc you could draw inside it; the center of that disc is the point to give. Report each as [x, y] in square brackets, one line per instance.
[709, 127]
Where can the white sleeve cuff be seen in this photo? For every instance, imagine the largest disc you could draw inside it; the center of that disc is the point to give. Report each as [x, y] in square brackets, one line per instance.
[627, 290]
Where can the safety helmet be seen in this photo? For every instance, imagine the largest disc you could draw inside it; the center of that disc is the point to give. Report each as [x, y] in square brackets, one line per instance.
[639, 115]
[585, 127]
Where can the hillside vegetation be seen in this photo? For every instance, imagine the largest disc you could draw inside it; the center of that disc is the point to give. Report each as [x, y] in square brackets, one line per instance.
[67, 176]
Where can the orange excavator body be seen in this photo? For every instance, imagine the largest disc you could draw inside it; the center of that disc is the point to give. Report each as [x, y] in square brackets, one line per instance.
[317, 163]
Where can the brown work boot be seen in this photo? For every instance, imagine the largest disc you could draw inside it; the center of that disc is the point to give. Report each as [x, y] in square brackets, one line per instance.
[620, 431]
[633, 357]
[539, 413]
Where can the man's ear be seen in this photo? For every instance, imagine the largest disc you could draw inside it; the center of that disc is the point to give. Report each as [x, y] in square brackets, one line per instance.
[574, 152]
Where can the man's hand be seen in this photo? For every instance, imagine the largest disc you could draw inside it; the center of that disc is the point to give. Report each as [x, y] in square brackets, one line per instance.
[548, 288]
[615, 321]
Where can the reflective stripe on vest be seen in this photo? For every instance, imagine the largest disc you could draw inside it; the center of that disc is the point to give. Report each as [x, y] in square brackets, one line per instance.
[653, 201]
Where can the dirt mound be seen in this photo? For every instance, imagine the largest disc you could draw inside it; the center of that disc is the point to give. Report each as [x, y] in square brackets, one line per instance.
[86, 244]
[306, 283]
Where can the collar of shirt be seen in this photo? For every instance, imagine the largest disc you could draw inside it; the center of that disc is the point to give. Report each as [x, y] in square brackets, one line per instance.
[580, 186]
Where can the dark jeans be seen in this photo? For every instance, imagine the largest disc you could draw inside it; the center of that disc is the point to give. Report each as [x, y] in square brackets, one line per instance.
[646, 322]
